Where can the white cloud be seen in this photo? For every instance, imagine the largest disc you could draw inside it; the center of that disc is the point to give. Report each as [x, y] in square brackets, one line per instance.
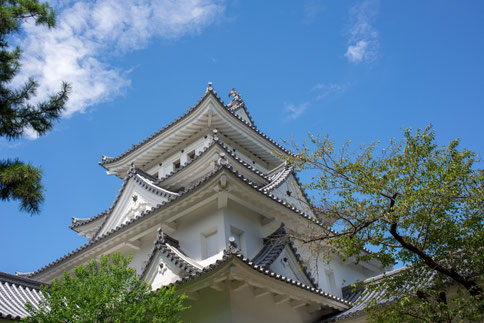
[363, 42]
[325, 90]
[295, 111]
[88, 33]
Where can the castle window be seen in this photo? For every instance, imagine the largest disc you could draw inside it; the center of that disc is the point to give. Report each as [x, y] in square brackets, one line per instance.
[331, 280]
[176, 164]
[210, 245]
[191, 155]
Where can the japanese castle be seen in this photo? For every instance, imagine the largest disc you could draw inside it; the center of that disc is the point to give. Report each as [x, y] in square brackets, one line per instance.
[207, 204]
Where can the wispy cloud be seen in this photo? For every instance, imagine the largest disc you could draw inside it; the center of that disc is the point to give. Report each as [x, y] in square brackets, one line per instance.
[363, 42]
[295, 111]
[325, 90]
[312, 9]
[88, 33]
[319, 92]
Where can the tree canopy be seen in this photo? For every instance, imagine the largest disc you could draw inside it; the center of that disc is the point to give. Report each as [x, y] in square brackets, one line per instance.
[19, 180]
[108, 291]
[414, 203]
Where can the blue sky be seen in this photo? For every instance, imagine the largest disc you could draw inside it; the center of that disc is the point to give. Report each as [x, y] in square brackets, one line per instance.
[359, 70]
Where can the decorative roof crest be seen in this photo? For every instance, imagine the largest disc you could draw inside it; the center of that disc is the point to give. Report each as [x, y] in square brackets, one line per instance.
[237, 101]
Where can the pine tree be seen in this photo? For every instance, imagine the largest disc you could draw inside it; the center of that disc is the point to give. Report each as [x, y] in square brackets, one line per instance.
[19, 180]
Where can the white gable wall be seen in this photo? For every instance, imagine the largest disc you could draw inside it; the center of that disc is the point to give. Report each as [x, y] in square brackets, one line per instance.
[127, 207]
[290, 268]
[296, 196]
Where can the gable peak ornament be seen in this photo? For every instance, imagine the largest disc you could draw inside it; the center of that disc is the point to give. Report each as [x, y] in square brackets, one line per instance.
[237, 101]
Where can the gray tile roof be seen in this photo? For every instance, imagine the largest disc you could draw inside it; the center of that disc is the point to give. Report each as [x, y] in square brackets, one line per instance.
[15, 292]
[232, 252]
[362, 297]
[210, 91]
[237, 103]
[77, 222]
[221, 144]
[137, 175]
[273, 246]
[99, 238]
[220, 166]
[164, 244]
[279, 178]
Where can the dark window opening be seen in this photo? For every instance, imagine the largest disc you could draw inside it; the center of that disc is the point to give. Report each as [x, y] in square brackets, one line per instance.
[191, 155]
[176, 164]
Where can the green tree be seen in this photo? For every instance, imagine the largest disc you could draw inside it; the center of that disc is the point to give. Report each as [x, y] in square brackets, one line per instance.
[19, 180]
[109, 291]
[415, 203]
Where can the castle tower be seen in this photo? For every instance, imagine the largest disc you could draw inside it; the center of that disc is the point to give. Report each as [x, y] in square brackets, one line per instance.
[206, 204]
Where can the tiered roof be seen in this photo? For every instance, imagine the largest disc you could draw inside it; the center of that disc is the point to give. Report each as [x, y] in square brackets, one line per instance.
[170, 248]
[149, 145]
[223, 164]
[233, 255]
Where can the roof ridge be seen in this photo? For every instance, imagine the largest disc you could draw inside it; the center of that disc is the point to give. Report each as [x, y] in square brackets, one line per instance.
[19, 280]
[232, 253]
[218, 167]
[96, 239]
[210, 90]
[202, 153]
[280, 178]
[282, 240]
[237, 103]
[162, 243]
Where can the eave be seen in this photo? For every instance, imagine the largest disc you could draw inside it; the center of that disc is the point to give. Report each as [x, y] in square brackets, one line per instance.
[240, 271]
[195, 121]
[202, 161]
[168, 211]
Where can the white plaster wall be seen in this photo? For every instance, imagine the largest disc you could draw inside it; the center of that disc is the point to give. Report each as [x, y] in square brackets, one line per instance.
[247, 221]
[140, 256]
[344, 273]
[167, 163]
[192, 226]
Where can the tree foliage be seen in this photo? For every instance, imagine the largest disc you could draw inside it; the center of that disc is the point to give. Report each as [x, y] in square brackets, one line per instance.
[417, 204]
[19, 180]
[108, 291]
[22, 181]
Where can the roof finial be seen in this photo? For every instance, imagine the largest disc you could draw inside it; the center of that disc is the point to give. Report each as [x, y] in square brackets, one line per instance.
[210, 88]
[232, 242]
[232, 248]
[215, 134]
